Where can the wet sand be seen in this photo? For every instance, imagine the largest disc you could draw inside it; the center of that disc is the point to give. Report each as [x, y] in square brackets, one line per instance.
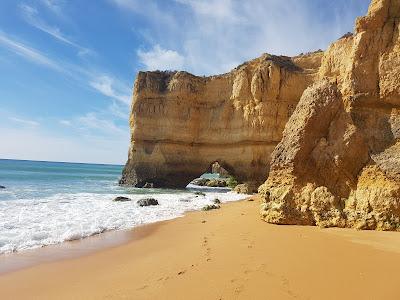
[221, 254]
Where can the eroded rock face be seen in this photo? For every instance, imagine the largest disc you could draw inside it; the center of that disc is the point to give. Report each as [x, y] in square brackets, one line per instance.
[338, 163]
[181, 124]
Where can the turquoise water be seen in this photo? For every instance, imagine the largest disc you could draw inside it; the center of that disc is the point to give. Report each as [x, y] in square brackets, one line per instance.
[46, 203]
[36, 179]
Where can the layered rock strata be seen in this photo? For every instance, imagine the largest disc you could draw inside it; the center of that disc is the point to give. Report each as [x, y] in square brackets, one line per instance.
[338, 163]
[181, 124]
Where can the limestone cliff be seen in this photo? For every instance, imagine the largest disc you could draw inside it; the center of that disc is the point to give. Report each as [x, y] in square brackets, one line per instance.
[338, 163]
[324, 127]
[181, 124]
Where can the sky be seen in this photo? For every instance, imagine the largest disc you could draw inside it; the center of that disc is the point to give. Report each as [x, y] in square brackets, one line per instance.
[67, 67]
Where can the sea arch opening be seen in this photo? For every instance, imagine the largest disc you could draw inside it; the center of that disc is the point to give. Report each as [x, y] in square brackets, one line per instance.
[218, 175]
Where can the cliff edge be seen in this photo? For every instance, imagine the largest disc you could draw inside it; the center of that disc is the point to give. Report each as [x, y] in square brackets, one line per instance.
[338, 163]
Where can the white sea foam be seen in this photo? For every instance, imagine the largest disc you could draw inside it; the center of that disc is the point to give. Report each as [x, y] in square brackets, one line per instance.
[30, 223]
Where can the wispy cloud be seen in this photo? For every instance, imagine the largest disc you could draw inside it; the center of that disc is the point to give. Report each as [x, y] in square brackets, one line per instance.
[92, 121]
[65, 122]
[31, 16]
[118, 111]
[103, 83]
[212, 36]
[148, 9]
[158, 58]
[107, 86]
[27, 52]
[24, 122]
[54, 5]
[217, 9]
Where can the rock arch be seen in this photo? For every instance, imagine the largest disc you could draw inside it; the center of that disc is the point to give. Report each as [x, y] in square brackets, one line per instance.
[180, 123]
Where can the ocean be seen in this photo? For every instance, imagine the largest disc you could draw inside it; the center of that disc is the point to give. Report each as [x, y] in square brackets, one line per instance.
[47, 203]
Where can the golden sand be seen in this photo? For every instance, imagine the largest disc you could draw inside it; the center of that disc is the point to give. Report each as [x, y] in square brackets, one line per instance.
[222, 254]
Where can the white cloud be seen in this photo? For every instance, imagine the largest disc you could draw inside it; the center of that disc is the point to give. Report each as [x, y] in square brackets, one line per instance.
[212, 36]
[25, 122]
[54, 5]
[31, 16]
[92, 121]
[127, 4]
[118, 111]
[28, 52]
[107, 86]
[218, 9]
[161, 59]
[65, 122]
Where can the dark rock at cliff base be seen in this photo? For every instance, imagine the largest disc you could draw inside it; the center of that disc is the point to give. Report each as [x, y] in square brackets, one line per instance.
[147, 202]
[200, 181]
[121, 199]
[148, 185]
[216, 183]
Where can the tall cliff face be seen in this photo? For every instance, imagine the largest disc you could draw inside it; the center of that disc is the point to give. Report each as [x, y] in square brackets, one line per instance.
[181, 124]
[338, 163]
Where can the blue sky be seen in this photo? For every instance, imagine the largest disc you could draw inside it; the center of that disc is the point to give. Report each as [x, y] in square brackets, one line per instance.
[67, 66]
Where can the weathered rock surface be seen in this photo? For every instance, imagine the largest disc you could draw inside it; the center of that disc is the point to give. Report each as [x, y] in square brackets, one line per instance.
[121, 199]
[216, 183]
[211, 207]
[324, 127]
[338, 163]
[246, 188]
[200, 181]
[147, 202]
[181, 124]
[216, 168]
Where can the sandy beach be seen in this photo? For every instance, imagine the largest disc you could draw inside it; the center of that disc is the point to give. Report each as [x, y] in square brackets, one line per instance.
[222, 254]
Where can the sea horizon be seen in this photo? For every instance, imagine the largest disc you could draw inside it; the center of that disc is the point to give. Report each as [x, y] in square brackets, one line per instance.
[63, 162]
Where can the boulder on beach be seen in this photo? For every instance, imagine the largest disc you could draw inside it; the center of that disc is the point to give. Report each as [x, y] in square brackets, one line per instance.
[121, 199]
[211, 207]
[217, 201]
[147, 202]
[246, 188]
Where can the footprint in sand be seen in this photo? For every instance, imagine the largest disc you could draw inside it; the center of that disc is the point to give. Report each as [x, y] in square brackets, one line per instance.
[285, 282]
[142, 287]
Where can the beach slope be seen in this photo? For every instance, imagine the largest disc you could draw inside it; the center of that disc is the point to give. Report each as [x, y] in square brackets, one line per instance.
[223, 254]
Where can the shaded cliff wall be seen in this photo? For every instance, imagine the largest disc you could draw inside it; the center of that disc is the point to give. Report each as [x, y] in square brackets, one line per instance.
[338, 163]
[181, 123]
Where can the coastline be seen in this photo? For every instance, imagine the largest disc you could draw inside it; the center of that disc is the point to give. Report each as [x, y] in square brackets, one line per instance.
[221, 254]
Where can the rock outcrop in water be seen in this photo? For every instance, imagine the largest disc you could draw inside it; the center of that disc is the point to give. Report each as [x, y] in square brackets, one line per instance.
[181, 124]
[338, 163]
